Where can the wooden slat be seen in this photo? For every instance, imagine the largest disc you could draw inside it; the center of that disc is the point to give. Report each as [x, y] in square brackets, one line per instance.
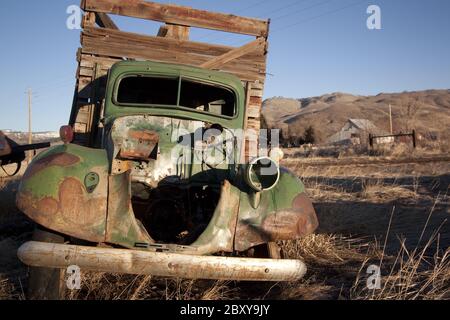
[253, 110]
[89, 20]
[87, 72]
[168, 44]
[256, 93]
[253, 123]
[90, 46]
[174, 32]
[234, 54]
[163, 30]
[179, 15]
[255, 100]
[89, 61]
[120, 44]
[80, 127]
[104, 21]
[83, 82]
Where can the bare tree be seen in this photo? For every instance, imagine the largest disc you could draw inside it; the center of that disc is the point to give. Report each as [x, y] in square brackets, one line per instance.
[409, 111]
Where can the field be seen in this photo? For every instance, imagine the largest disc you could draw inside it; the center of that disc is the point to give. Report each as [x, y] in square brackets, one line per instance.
[389, 215]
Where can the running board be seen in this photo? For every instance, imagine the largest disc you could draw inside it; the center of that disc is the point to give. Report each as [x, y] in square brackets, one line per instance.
[52, 255]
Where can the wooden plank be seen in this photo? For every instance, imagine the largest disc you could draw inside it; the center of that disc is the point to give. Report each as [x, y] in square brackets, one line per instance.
[88, 20]
[253, 111]
[168, 44]
[258, 85]
[89, 61]
[107, 42]
[104, 21]
[179, 15]
[256, 93]
[174, 32]
[253, 123]
[255, 100]
[80, 127]
[163, 30]
[83, 82]
[234, 54]
[88, 72]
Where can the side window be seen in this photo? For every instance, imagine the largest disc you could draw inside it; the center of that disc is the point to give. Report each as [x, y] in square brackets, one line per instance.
[147, 90]
[207, 98]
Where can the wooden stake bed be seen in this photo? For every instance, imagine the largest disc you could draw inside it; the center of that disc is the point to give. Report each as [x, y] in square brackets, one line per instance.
[103, 44]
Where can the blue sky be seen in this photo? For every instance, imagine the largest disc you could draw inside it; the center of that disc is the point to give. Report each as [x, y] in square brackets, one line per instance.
[316, 47]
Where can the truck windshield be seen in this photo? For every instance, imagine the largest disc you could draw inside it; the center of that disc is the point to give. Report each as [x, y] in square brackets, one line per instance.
[147, 91]
[201, 97]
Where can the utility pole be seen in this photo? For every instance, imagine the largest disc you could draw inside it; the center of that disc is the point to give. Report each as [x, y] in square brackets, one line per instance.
[30, 133]
[390, 118]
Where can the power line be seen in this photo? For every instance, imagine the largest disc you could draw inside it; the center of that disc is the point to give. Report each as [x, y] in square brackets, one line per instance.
[251, 6]
[212, 33]
[319, 16]
[43, 95]
[54, 82]
[302, 10]
[284, 7]
[293, 4]
[312, 18]
[288, 14]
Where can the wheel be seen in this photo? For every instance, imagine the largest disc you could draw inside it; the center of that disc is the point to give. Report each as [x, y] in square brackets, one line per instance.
[267, 250]
[46, 283]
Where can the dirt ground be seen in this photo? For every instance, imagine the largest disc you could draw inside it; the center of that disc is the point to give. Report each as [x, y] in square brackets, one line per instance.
[394, 217]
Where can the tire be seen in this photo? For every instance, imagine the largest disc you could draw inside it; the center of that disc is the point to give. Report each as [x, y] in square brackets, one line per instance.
[46, 283]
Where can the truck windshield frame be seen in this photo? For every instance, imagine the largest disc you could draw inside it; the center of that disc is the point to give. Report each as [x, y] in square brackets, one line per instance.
[181, 79]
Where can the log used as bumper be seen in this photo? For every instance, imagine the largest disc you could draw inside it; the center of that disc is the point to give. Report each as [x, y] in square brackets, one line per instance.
[39, 254]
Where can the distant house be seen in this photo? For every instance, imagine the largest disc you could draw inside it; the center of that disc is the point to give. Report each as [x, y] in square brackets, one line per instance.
[356, 131]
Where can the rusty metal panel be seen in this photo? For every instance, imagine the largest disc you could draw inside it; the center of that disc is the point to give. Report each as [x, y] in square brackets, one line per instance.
[283, 213]
[139, 145]
[57, 193]
[122, 226]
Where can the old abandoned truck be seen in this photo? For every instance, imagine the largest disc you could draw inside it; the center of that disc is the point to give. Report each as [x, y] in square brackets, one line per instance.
[152, 177]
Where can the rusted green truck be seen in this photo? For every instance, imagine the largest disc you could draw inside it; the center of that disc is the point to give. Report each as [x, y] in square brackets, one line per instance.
[163, 185]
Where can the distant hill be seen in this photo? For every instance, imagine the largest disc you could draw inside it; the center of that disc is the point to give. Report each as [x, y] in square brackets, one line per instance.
[22, 137]
[426, 111]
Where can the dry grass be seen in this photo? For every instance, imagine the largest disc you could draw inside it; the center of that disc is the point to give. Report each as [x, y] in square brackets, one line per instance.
[337, 262]
[379, 191]
[104, 286]
[412, 275]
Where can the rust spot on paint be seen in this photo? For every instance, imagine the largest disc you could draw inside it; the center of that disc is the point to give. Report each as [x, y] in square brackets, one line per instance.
[74, 213]
[48, 205]
[76, 207]
[288, 224]
[282, 225]
[58, 159]
[140, 145]
[248, 236]
[39, 211]
[308, 222]
[144, 135]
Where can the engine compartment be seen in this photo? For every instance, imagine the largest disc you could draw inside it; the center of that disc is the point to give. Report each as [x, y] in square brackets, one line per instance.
[177, 169]
[175, 213]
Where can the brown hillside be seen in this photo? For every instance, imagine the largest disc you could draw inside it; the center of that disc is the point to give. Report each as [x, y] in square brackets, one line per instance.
[426, 111]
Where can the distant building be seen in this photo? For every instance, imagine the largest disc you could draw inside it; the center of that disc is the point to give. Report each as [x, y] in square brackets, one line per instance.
[356, 131]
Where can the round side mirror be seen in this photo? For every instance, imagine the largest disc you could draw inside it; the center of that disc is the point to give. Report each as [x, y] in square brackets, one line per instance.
[262, 174]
